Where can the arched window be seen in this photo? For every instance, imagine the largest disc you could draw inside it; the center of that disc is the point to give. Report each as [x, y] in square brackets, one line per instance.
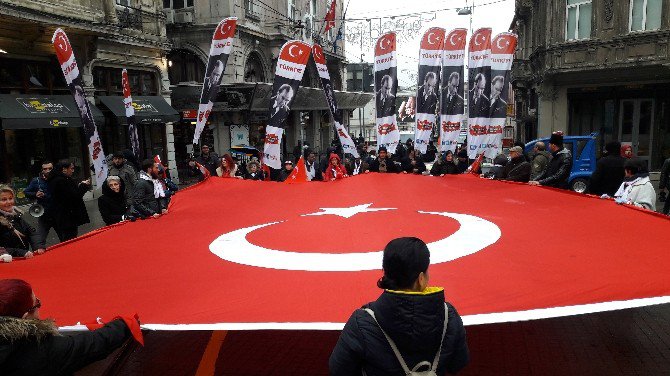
[253, 69]
[185, 66]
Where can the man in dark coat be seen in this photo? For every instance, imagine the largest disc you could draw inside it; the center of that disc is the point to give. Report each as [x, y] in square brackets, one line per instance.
[69, 210]
[479, 103]
[385, 101]
[454, 103]
[312, 167]
[147, 198]
[609, 173]
[498, 105]
[426, 100]
[38, 190]
[539, 161]
[287, 170]
[444, 165]
[383, 163]
[560, 166]
[517, 169]
[664, 183]
[209, 159]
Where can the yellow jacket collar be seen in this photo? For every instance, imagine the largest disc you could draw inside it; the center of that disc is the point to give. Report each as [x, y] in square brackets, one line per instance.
[427, 291]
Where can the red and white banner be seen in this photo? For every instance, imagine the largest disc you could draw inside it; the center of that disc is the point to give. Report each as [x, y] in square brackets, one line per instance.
[428, 93]
[495, 263]
[479, 78]
[348, 146]
[386, 88]
[68, 64]
[330, 17]
[222, 44]
[130, 114]
[291, 66]
[452, 109]
[503, 47]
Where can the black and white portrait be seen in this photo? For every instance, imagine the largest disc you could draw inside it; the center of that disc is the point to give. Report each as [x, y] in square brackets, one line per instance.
[281, 100]
[452, 95]
[426, 100]
[498, 104]
[212, 81]
[479, 105]
[385, 99]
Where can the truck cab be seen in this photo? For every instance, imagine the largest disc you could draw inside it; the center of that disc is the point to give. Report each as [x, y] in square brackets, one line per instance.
[583, 150]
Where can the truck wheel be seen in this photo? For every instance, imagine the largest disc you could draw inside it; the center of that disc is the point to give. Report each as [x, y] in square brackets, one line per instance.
[579, 185]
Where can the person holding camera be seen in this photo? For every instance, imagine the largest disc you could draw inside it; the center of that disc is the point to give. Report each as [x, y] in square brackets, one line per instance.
[69, 210]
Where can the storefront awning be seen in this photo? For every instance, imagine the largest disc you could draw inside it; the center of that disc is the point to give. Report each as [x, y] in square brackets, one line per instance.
[148, 109]
[256, 97]
[18, 111]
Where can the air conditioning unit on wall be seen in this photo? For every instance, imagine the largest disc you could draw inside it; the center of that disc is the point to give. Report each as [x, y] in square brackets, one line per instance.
[169, 16]
[183, 17]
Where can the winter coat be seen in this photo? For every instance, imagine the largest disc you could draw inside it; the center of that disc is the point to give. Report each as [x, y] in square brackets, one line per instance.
[351, 167]
[639, 192]
[665, 175]
[112, 205]
[517, 170]
[145, 203]
[285, 174]
[608, 175]
[418, 164]
[444, 168]
[15, 244]
[211, 162]
[258, 175]
[558, 171]
[36, 185]
[414, 321]
[334, 172]
[539, 164]
[231, 174]
[390, 166]
[313, 169]
[129, 176]
[34, 347]
[68, 205]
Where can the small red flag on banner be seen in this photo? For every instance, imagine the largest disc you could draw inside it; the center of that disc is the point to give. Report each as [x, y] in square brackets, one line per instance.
[474, 167]
[299, 174]
[203, 169]
[132, 321]
[330, 17]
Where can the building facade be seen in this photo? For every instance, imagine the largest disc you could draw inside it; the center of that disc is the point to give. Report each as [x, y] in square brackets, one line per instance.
[262, 28]
[106, 36]
[586, 66]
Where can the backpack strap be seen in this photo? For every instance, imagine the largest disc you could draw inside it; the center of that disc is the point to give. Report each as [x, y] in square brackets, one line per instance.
[397, 352]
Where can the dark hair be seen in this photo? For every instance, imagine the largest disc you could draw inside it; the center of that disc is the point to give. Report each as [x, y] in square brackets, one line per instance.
[147, 164]
[16, 297]
[404, 259]
[62, 164]
[635, 165]
[46, 161]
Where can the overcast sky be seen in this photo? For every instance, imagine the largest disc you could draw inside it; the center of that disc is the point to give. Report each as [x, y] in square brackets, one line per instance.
[498, 16]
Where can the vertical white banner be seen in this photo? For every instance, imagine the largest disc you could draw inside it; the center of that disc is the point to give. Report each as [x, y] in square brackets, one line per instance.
[502, 56]
[479, 78]
[428, 94]
[386, 89]
[130, 114]
[452, 108]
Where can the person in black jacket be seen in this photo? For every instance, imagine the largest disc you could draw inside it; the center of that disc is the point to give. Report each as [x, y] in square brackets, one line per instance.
[609, 173]
[32, 346]
[413, 164]
[410, 313]
[444, 165]
[558, 171]
[112, 203]
[383, 163]
[17, 237]
[148, 195]
[68, 208]
[517, 169]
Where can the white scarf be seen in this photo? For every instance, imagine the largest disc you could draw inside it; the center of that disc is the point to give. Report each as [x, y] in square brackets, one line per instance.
[625, 188]
[158, 187]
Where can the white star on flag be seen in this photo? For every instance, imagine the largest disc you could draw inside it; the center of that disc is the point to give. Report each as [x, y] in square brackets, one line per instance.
[348, 212]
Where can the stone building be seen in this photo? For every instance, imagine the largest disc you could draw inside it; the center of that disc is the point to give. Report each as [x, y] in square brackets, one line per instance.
[262, 28]
[106, 36]
[587, 66]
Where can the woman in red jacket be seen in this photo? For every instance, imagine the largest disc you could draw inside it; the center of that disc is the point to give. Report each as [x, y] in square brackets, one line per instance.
[335, 169]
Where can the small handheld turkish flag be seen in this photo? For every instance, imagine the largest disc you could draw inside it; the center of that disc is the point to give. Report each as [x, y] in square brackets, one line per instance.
[330, 17]
[205, 172]
[475, 166]
[299, 174]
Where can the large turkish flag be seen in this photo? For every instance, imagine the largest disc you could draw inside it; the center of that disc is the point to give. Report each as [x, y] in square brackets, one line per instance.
[235, 254]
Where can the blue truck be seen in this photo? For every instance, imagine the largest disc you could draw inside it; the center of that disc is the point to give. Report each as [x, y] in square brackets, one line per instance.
[583, 149]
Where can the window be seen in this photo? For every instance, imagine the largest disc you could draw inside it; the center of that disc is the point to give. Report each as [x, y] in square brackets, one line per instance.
[177, 4]
[291, 9]
[252, 8]
[125, 3]
[578, 25]
[107, 81]
[645, 15]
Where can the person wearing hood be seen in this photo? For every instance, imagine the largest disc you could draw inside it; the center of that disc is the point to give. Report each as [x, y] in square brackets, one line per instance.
[517, 169]
[413, 163]
[17, 237]
[67, 195]
[444, 165]
[409, 316]
[627, 151]
[335, 170]
[30, 345]
[149, 196]
[254, 171]
[558, 171]
[539, 161]
[636, 188]
[609, 172]
[462, 163]
[112, 203]
[325, 160]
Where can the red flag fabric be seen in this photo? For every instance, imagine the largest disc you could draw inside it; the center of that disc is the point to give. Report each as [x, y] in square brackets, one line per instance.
[205, 172]
[163, 172]
[131, 321]
[299, 174]
[476, 165]
[330, 17]
[502, 251]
